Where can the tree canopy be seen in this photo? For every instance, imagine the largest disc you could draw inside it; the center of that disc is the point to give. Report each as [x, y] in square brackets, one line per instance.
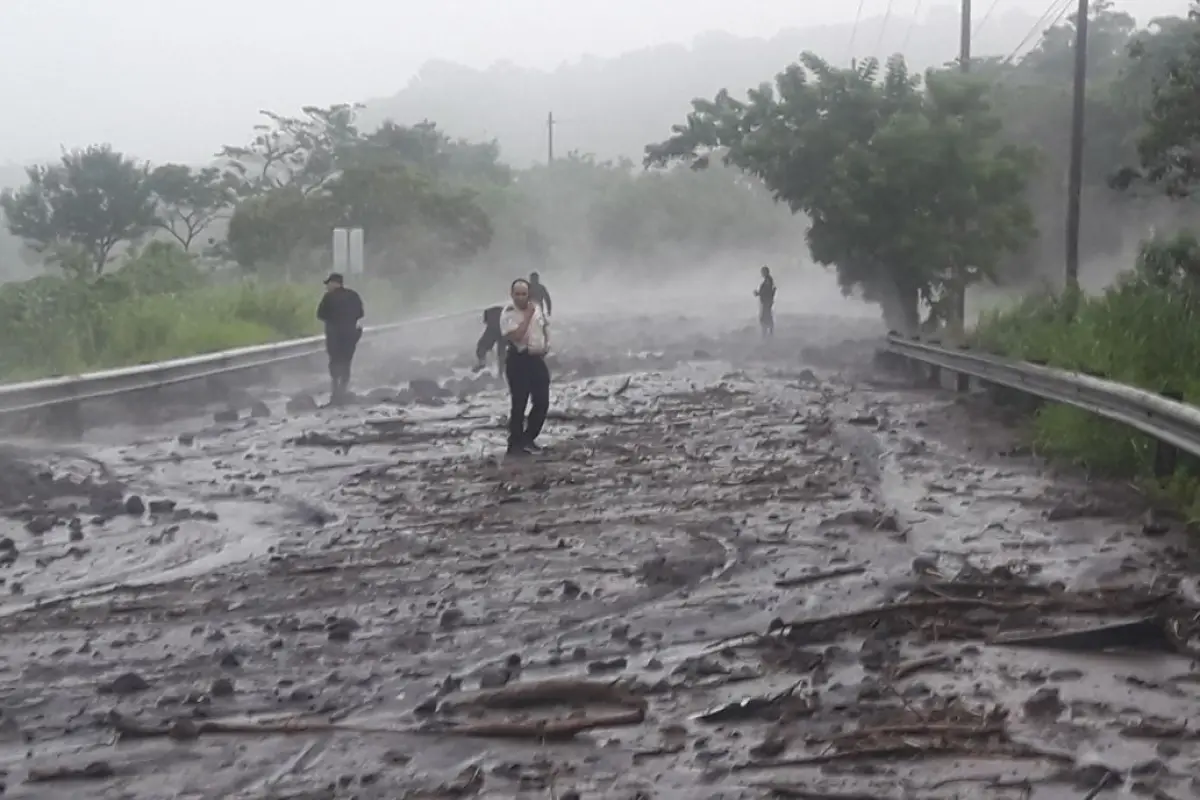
[907, 187]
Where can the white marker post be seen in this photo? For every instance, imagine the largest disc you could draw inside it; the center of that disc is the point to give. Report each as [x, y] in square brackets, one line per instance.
[348, 251]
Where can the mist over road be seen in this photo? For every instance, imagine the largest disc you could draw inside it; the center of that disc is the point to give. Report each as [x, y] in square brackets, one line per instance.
[367, 565]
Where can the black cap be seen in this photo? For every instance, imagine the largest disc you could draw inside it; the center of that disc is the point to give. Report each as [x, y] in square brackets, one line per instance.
[335, 277]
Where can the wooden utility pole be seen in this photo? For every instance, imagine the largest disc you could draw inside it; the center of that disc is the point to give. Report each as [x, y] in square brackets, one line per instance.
[1075, 173]
[964, 64]
[550, 138]
[964, 38]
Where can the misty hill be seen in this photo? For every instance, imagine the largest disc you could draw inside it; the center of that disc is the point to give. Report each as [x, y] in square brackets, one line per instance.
[613, 107]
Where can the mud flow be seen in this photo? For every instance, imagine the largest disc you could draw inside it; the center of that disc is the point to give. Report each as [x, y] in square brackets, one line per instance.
[738, 569]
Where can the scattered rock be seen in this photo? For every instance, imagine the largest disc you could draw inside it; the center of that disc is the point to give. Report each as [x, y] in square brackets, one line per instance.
[301, 404]
[162, 506]
[259, 410]
[135, 506]
[226, 415]
[222, 687]
[1044, 704]
[41, 524]
[125, 684]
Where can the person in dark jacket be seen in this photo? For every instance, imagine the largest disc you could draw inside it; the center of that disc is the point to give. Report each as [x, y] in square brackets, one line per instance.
[766, 303]
[492, 338]
[341, 310]
[538, 292]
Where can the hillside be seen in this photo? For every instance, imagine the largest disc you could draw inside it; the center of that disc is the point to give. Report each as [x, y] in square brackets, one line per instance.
[613, 107]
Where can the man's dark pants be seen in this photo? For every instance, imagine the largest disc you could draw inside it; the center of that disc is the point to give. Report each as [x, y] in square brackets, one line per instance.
[341, 345]
[529, 383]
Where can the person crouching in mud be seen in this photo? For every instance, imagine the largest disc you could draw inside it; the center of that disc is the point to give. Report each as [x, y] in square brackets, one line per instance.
[341, 310]
[491, 338]
[527, 331]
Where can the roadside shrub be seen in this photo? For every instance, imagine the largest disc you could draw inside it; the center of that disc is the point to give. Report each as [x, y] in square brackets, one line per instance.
[1142, 331]
[157, 305]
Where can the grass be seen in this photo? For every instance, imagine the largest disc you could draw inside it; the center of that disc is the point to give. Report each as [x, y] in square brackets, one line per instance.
[156, 306]
[1142, 331]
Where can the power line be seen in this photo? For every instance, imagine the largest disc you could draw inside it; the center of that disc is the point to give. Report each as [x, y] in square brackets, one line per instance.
[854, 30]
[1048, 20]
[986, 16]
[887, 15]
[912, 24]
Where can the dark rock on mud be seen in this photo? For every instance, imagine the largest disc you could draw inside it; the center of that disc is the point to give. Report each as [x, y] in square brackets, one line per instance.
[259, 410]
[1045, 704]
[135, 506]
[226, 415]
[125, 684]
[301, 404]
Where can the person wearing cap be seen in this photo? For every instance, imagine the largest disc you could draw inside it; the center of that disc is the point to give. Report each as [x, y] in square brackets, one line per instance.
[341, 310]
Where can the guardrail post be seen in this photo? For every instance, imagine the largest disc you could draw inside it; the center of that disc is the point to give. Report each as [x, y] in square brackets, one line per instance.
[934, 375]
[1166, 456]
[962, 382]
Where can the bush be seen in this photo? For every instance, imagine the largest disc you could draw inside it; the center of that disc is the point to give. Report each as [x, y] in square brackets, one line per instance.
[158, 305]
[1142, 331]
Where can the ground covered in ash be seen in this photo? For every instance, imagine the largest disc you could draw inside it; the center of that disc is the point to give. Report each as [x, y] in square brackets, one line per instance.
[739, 570]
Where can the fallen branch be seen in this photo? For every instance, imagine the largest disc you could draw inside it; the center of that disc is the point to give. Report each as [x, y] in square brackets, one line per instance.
[909, 750]
[94, 771]
[815, 577]
[907, 668]
[544, 693]
[922, 729]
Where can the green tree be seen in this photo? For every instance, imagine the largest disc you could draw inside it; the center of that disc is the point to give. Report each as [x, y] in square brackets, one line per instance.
[1169, 146]
[298, 151]
[190, 200]
[88, 203]
[907, 189]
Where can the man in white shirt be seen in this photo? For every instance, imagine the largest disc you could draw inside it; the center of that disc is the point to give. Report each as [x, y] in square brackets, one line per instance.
[527, 330]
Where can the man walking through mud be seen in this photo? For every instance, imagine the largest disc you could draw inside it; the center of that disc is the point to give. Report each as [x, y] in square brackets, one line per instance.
[341, 310]
[766, 303]
[526, 329]
[491, 338]
[539, 293]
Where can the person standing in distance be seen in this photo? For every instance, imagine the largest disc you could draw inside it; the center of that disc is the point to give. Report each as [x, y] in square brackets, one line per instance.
[539, 293]
[341, 310]
[527, 330]
[766, 303]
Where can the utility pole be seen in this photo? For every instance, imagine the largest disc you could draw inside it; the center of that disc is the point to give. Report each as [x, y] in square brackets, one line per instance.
[964, 38]
[964, 64]
[1075, 174]
[550, 138]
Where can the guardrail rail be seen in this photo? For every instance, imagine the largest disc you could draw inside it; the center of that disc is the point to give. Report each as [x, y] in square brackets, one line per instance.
[1174, 424]
[67, 393]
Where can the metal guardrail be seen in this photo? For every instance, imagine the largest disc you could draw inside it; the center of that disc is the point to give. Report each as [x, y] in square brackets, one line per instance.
[66, 391]
[1169, 421]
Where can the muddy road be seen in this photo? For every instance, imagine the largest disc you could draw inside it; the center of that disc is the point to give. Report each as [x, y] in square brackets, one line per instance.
[739, 570]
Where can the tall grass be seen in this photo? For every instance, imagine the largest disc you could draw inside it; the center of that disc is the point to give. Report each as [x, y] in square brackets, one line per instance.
[156, 306]
[1144, 331]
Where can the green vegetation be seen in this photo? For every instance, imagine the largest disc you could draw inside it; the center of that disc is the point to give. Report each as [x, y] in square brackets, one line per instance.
[158, 305]
[234, 252]
[915, 189]
[1142, 330]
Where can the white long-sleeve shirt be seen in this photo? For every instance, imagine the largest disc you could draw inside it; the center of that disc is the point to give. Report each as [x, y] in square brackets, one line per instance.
[537, 335]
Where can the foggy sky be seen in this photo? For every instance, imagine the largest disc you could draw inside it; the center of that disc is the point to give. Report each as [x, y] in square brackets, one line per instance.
[174, 80]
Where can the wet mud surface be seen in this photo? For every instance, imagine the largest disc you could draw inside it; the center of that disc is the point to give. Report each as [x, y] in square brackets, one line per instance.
[737, 570]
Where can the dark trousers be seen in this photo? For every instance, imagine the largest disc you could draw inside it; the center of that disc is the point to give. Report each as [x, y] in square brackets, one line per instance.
[766, 319]
[529, 383]
[492, 338]
[340, 345]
